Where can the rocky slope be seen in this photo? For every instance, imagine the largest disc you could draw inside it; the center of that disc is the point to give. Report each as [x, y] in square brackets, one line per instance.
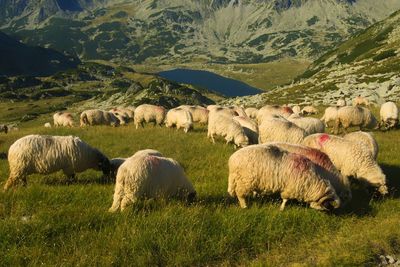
[168, 31]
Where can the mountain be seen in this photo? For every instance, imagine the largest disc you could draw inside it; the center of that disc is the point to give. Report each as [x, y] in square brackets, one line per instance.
[171, 31]
[20, 59]
[367, 64]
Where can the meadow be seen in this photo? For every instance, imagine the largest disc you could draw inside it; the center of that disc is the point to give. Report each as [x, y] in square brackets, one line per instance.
[50, 222]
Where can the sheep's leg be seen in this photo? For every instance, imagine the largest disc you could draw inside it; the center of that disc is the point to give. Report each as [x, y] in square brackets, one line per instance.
[212, 138]
[126, 201]
[11, 181]
[242, 199]
[284, 200]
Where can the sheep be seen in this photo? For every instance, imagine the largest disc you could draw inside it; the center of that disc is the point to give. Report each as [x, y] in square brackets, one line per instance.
[239, 110]
[98, 117]
[250, 128]
[309, 110]
[330, 115]
[47, 125]
[389, 116]
[251, 113]
[268, 111]
[180, 118]
[359, 100]
[296, 109]
[225, 126]
[212, 107]
[148, 176]
[280, 130]
[366, 140]
[268, 169]
[350, 159]
[339, 182]
[45, 154]
[309, 125]
[341, 102]
[149, 113]
[125, 115]
[64, 119]
[199, 114]
[4, 128]
[354, 116]
[224, 110]
[115, 163]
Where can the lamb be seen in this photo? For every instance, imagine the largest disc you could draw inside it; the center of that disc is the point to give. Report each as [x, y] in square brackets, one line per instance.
[251, 113]
[350, 159]
[341, 102]
[389, 114]
[354, 116]
[309, 125]
[64, 119]
[115, 163]
[149, 113]
[268, 169]
[45, 154]
[279, 129]
[366, 140]
[180, 118]
[250, 128]
[339, 182]
[268, 111]
[296, 109]
[148, 176]
[199, 114]
[225, 126]
[98, 117]
[330, 115]
[309, 110]
[359, 100]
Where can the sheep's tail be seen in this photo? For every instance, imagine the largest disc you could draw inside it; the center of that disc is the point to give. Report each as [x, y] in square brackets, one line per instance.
[231, 186]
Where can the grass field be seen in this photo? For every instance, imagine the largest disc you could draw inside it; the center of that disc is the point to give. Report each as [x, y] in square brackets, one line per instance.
[51, 223]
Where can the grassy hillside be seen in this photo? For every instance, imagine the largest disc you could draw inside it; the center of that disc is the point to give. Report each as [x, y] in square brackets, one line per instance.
[52, 223]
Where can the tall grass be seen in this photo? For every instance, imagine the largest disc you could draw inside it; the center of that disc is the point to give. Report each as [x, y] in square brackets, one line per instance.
[52, 223]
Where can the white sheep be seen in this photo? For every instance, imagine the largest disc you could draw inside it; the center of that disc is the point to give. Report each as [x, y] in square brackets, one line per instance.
[296, 109]
[64, 119]
[48, 154]
[47, 125]
[389, 114]
[98, 117]
[309, 110]
[354, 116]
[330, 115]
[279, 129]
[148, 176]
[308, 124]
[224, 125]
[125, 115]
[341, 102]
[149, 113]
[268, 111]
[267, 169]
[251, 113]
[180, 118]
[359, 100]
[250, 128]
[199, 114]
[366, 140]
[350, 159]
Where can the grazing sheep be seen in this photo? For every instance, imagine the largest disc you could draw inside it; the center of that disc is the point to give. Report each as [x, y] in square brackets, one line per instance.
[250, 128]
[48, 154]
[98, 117]
[47, 125]
[63, 119]
[225, 126]
[267, 169]
[199, 114]
[126, 114]
[296, 109]
[268, 111]
[338, 181]
[149, 113]
[309, 125]
[389, 116]
[180, 118]
[359, 100]
[279, 129]
[309, 110]
[330, 115]
[148, 176]
[350, 159]
[239, 110]
[251, 113]
[365, 139]
[354, 116]
[341, 102]
[115, 163]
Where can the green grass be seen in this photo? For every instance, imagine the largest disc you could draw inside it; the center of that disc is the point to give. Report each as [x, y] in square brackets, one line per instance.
[52, 223]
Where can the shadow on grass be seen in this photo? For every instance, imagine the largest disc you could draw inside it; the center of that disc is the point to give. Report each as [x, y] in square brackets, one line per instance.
[392, 173]
[57, 181]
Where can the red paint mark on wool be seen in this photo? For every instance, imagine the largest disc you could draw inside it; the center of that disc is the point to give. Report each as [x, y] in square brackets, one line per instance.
[153, 160]
[287, 110]
[300, 163]
[319, 158]
[323, 139]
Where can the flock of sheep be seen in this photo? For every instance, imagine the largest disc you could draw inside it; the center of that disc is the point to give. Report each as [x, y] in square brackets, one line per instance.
[282, 151]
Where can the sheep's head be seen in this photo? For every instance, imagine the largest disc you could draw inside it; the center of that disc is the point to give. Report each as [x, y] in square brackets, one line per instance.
[105, 166]
[328, 202]
[383, 190]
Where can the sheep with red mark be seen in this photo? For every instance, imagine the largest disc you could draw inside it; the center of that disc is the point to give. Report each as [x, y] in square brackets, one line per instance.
[278, 129]
[350, 159]
[251, 113]
[366, 140]
[389, 116]
[267, 169]
[354, 116]
[250, 128]
[148, 176]
[149, 113]
[179, 118]
[308, 124]
[268, 111]
[63, 119]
